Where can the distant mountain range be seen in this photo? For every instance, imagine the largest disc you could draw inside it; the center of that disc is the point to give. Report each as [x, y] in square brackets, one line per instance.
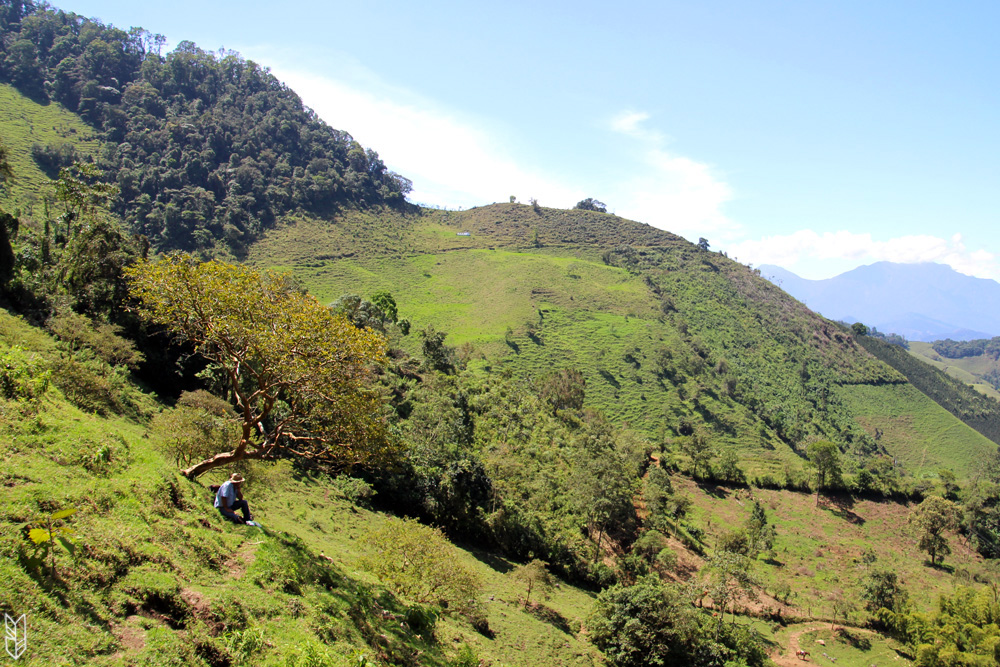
[923, 302]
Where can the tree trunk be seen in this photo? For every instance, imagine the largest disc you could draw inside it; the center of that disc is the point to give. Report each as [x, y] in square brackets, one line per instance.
[225, 458]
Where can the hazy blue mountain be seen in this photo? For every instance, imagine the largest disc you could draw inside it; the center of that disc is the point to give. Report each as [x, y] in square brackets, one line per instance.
[919, 301]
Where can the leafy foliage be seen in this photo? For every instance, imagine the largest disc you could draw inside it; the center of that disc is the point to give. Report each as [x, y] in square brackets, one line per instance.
[417, 562]
[957, 349]
[198, 427]
[202, 146]
[23, 376]
[55, 531]
[591, 204]
[825, 456]
[652, 623]
[535, 577]
[932, 517]
[882, 589]
[296, 372]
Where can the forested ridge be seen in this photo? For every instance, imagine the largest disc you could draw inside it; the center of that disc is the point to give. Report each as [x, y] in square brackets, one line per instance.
[207, 149]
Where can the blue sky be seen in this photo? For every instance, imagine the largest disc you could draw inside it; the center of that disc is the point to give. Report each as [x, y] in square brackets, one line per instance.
[813, 135]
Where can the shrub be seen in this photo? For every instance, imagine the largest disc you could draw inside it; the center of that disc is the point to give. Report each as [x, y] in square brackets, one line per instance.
[416, 561]
[356, 491]
[51, 158]
[287, 565]
[244, 643]
[76, 332]
[534, 576]
[198, 427]
[23, 376]
[421, 620]
[86, 388]
[649, 545]
[667, 559]
[652, 623]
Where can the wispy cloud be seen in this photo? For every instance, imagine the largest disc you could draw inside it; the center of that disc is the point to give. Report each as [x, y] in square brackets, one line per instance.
[820, 255]
[666, 190]
[457, 160]
[453, 161]
[630, 122]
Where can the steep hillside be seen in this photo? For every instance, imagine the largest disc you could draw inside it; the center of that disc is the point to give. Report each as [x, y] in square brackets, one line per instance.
[26, 127]
[209, 152]
[156, 577]
[973, 362]
[978, 411]
[671, 339]
[620, 446]
[206, 150]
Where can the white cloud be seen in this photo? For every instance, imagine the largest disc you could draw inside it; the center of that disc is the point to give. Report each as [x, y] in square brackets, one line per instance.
[454, 160]
[666, 190]
[820, 255]
[629, 122]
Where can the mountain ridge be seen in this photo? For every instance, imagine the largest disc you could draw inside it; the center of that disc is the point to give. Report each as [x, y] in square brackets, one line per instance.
[924, 302]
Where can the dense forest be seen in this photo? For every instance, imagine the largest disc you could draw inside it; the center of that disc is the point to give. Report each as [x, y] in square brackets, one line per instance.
[957, 349]
[207, 149]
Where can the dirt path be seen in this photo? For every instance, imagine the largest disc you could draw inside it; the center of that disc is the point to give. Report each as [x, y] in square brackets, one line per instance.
[785, 657]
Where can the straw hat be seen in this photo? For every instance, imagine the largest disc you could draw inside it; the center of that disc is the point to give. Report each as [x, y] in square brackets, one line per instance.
[236, 478]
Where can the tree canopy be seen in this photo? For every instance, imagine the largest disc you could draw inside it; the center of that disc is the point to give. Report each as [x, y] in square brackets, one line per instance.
[591, 204]
[296, 373]
[826, 457]
[205, 148]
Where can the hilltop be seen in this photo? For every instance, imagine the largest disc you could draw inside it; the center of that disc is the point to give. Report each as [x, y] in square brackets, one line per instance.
[668, 336]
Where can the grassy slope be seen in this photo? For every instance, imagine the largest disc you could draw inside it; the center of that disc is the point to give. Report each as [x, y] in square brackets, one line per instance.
[819, 547]
[967, 369]
[533, 309]
[919, 433]
[24, 122]
[980, 412]
[158, 576]
[218, 577]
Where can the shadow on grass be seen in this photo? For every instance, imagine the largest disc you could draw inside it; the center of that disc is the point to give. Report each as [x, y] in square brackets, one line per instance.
[499, 564]
[610, 379]
[550, 616]
[714, 490]
[941, 567]
[842, 505]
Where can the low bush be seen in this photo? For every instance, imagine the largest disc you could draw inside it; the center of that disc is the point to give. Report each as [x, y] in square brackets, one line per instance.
[23, 376]
[418, 562]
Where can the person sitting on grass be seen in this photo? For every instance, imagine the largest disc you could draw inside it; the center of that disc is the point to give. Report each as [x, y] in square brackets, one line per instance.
[229, 498]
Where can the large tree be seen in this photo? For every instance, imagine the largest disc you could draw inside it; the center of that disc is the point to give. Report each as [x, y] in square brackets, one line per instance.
[297, 374]
[932, 518]
[825, 456]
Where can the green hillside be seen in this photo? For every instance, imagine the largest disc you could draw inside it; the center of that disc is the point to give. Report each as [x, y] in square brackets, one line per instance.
[667, 335]
[979, 371]
[953, 394]
[24, 124]
[584, 440]
[156, 577]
